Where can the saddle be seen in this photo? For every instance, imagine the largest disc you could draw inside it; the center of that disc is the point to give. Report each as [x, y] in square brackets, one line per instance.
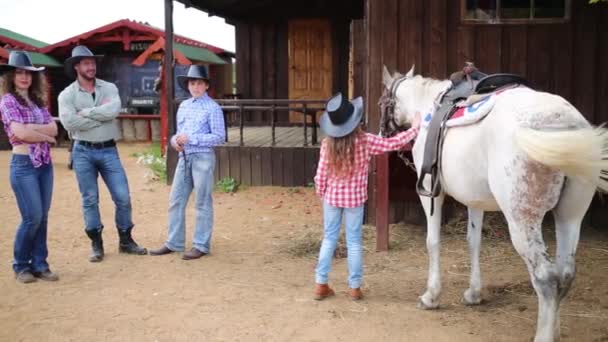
[465, 83]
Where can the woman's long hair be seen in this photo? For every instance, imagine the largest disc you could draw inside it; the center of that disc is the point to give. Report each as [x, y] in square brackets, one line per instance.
[37, 91]
[341, 153]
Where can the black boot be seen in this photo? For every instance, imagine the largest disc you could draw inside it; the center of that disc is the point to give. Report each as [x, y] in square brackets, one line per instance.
[128, 245]
[96, 244]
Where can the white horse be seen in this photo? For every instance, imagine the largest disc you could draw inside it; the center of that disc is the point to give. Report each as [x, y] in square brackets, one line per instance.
[534, 152]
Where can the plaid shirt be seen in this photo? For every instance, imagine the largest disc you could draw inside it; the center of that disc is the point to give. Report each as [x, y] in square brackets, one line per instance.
[351, 192]
[13, 111]
[202, 120]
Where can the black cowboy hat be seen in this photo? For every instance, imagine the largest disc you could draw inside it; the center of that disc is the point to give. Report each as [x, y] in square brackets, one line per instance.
[197, 72]
[19, 60]
[79, 52]
[341, 116]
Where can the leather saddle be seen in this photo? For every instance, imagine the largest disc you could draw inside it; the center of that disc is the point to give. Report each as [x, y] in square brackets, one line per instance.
[465, 83]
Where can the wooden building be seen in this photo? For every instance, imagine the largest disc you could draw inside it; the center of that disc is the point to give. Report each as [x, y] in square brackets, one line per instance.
[292, 50]
[132, 54]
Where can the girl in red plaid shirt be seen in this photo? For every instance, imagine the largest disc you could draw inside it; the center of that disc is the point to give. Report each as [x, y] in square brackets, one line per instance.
[341, 182]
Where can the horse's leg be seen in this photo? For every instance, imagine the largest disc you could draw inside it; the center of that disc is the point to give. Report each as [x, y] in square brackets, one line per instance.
[527, 239]
[472, 296]
[568, 214]
[430, 299]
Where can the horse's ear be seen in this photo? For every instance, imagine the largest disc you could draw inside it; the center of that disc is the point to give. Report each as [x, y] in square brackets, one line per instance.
[410, 73]
[387, 79]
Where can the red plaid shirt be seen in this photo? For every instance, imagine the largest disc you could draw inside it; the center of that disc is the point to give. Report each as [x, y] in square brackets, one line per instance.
[351, 192]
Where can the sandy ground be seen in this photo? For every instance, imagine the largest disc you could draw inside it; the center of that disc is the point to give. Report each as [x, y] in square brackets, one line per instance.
[250, 289]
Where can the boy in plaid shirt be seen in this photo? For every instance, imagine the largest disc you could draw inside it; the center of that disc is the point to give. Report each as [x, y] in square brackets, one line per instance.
[341, 182]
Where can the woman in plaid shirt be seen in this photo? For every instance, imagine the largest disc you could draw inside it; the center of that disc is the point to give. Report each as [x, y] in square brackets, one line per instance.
[31, 130]
[341, 182]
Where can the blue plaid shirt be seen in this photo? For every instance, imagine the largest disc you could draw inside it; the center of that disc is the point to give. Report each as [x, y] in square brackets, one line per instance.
[202, 120]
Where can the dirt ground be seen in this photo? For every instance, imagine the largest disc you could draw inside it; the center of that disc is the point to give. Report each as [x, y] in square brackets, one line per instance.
[252, 287]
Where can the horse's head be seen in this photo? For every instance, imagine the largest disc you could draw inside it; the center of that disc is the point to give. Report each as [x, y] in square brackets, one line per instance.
[396, 103]
[404, 96]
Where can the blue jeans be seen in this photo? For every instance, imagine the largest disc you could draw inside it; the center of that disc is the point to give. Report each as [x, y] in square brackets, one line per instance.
[33, 188]
[194, 173]
[353, 221]
[88, 164]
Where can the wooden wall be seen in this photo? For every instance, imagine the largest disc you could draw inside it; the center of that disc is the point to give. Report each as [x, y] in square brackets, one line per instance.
[568, 59]
[278, 166]
[262, 62]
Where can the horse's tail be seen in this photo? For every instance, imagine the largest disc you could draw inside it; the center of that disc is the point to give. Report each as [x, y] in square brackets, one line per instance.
[581, 153]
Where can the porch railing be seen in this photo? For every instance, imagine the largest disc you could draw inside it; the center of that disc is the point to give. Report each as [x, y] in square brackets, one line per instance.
[308, 108]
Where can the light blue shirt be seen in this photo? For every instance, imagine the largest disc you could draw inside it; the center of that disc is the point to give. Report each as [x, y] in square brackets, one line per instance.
[201, 119]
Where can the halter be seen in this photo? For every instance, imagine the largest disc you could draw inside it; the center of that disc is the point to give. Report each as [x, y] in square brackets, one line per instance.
[387, 108]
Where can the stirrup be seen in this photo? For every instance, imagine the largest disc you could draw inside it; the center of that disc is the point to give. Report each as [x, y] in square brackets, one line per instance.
[435, 186]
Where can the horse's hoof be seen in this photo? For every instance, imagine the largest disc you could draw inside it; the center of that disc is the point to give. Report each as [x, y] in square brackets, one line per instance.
[471, 297]
[424, 305]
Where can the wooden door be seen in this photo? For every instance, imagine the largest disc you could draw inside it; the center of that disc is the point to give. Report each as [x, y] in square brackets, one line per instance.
[310, 61]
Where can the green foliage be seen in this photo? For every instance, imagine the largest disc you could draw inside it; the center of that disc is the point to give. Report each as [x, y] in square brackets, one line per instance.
[152, 159]
[596, 1]
[227, 184]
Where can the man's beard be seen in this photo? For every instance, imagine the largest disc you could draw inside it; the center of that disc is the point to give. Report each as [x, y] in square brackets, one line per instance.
[86, 77]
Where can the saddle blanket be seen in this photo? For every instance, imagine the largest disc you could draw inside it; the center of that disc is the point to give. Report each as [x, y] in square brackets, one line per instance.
[475, 108]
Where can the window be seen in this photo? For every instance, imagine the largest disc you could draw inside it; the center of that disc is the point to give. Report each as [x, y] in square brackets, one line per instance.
[515, 11]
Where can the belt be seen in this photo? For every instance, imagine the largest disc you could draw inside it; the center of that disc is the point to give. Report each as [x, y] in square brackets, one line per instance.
[97, 145]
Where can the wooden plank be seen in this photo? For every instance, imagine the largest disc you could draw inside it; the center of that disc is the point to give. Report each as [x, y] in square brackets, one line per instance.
[359, 57]
[257, 69]
[373, 14]
[540, 57]
[310, 164]
[487, 48]
[235, 163]
[453, 22]
[562, 60]
[243, 57]
[282, 67]
[382, 202]
[288, 166]
[299, 170]
[270, 65]
[585, 38]
[256, 166]
[515, 50]
[465, 50]
[410, 35]
[224, 162]
[267, 166]
[245, 160]
[277, 166]
[438, 39]
[601, 81]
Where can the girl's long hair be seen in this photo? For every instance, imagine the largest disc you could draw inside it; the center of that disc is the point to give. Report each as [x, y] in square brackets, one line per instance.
[341, 153]
[37, 91]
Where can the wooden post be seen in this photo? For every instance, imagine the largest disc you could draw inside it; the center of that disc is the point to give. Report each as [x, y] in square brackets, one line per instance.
[382, 202]
[305, 126]
[169, 94]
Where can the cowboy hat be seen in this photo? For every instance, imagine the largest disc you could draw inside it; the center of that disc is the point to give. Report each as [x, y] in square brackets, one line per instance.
[341, 116]
[19, 60]
[79, 52]
[197, 72]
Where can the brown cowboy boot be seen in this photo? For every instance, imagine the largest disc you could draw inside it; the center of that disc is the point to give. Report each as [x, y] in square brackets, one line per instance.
[355, 294]
[323, 291]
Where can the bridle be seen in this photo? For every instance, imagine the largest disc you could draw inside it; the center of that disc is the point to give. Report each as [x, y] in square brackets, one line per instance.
[387, 108]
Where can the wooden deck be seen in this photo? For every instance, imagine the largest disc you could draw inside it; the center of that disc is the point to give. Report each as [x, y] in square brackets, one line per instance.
[262, 136]
[257, 162]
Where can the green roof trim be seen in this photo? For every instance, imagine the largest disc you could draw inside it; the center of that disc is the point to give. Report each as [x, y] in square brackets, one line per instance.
[21, 38]
[40, 59]
[198, 54]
